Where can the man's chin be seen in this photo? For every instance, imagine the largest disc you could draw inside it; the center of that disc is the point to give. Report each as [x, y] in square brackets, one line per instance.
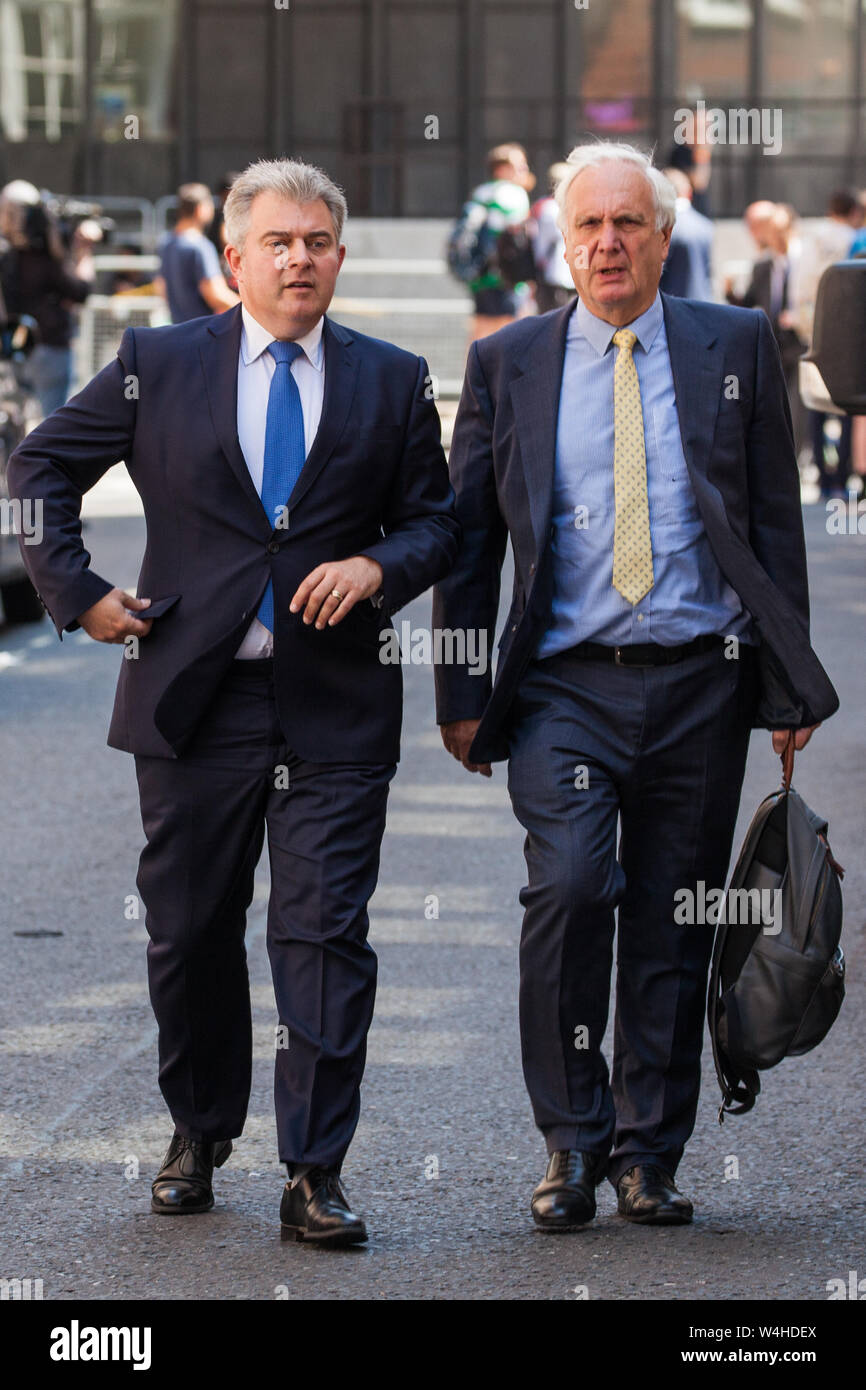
[300, 308]
[612, 291]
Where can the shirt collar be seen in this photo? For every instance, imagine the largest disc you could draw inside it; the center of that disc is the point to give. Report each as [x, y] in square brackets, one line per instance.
[599, 333]
[255, 340]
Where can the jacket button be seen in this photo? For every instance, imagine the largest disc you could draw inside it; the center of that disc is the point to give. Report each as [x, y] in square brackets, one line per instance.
[273, 547]
[532, 568]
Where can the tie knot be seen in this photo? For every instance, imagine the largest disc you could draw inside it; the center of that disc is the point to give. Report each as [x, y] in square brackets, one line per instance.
[284, 352]
[625, 339]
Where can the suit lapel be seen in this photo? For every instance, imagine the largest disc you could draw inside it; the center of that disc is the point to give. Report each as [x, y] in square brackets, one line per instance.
[535, 400]
[341, 376]
[219, 359]
[697, 365]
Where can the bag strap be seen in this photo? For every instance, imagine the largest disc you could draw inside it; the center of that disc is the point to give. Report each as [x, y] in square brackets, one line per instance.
[739, 1088]
[787, 756]
[744, 1089]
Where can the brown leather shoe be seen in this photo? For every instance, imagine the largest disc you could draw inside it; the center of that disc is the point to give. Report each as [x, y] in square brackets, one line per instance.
[565, 1198]
[183, 1184]
[647, 1194]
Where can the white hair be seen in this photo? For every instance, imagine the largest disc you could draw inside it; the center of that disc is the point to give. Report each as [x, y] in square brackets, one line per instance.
[288, 178]
[591, 155]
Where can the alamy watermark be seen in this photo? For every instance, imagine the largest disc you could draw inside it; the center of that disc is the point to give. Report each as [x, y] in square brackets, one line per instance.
[738, 907]
[737, 126]
[22, 517]
[439, 646]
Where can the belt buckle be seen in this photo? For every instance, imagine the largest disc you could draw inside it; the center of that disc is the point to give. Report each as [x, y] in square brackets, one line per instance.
[618, 659]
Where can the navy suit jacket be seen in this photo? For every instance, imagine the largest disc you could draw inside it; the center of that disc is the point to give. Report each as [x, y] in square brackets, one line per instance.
[740, 456]
[375, 483]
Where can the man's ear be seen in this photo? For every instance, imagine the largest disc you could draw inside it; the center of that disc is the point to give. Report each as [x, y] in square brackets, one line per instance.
[233, 257]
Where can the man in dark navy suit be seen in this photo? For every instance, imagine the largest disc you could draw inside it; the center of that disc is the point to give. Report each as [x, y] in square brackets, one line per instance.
[637, 451]
[296, 494]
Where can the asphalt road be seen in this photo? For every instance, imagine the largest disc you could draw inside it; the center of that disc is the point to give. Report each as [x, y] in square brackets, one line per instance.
[446, 1154]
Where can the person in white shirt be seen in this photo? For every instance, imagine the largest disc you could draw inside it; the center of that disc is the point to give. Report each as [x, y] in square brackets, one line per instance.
[554, 286]
[295, 495]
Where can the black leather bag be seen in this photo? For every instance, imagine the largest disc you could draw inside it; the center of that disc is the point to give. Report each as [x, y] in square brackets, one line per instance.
[778, 978]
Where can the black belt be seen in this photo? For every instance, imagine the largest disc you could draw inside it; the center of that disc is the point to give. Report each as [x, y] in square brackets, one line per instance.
[644, 653]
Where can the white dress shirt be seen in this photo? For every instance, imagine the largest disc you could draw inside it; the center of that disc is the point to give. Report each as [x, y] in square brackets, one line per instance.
[255, 369]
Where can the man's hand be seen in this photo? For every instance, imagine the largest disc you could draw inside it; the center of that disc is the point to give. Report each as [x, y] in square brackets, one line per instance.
[457, 737]
[329, 592]
[109, 621]
[801, 738]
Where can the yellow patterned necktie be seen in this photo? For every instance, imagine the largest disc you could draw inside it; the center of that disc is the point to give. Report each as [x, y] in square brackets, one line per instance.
[632, 544]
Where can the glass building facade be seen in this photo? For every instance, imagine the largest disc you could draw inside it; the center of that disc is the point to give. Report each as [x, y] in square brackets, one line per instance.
[399, 99]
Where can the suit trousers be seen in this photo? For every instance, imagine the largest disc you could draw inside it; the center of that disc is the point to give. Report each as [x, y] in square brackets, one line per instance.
[662, 750]
[205, 815]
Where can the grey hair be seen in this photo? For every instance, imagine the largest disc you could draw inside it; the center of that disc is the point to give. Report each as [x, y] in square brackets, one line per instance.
[591, 155]
[288, 178]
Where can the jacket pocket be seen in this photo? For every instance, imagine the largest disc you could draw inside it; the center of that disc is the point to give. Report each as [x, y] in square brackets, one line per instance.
[158, 607]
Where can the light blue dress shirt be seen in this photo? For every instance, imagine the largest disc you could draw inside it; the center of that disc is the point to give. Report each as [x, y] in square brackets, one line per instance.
[689, 596]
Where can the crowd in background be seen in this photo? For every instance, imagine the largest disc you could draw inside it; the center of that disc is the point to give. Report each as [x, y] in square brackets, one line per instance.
[510, 254]
[506, 248]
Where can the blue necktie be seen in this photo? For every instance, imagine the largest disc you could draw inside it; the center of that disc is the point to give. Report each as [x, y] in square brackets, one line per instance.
[285, 451]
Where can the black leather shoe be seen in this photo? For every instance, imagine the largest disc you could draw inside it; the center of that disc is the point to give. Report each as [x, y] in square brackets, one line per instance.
[565, 1199]
[317, 1209]
[647, 1194]
[183, 1183]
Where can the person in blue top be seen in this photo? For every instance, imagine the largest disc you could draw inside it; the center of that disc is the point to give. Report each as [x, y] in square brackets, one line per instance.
[190, 277]
[688, 270]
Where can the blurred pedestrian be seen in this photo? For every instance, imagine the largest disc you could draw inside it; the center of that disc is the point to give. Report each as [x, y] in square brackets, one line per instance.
[758, 218]
[554, 286]
[44, 278]
[694, 159]
[688, 270]
[829, 240]
[786, 249]
[858, 422]
[190, 277]
[771, 289]
[858, 245]
[491, 207]
[216, 232]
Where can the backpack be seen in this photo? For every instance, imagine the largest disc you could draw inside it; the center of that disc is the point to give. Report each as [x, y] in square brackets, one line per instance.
[515, 256]
[472, 243]
[777, 981]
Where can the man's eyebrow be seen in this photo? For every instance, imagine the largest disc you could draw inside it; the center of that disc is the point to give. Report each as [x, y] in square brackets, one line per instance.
[321, 231]
[617, 216]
